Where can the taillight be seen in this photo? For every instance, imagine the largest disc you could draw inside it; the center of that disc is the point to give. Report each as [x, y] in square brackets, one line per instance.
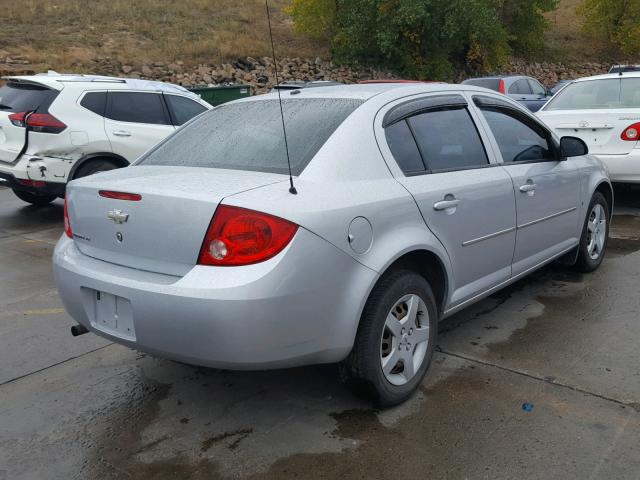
[67, 223]
[502, 88]
[17, 119]
[631, 133]
[38, 122]
[132, 197]
[238, 236]
[45, 123]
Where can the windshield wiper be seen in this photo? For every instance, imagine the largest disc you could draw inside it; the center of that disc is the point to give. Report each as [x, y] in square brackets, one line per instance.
[5, 107]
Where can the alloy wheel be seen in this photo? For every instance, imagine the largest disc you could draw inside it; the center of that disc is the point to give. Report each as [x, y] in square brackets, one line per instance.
[405, 339]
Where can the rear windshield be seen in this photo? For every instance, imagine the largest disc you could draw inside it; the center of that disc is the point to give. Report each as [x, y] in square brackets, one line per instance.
[490, 83]
[598, 94]
[20, 97]
[249, 135]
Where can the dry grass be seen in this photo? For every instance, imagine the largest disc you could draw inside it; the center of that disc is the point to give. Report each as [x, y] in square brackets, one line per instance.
[61, 33]
[566, 41]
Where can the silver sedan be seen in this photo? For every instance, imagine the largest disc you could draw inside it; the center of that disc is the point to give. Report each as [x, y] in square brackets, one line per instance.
[411, 202]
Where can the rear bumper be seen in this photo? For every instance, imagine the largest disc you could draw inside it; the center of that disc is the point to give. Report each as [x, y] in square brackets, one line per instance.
[25, 175]
[623, 168]
[26, 185]
[300, 307]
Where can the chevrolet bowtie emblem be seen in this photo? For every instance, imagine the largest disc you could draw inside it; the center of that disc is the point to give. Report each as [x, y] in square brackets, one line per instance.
[118, 216]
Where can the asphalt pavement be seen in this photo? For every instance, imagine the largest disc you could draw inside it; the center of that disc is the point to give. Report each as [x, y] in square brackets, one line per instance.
[539, 381]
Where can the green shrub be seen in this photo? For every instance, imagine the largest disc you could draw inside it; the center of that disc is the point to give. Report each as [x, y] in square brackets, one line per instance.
[616, 21]
[426, 39]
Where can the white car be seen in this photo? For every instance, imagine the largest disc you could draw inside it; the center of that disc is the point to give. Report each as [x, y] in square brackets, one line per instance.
[54, 128]
[604, 111]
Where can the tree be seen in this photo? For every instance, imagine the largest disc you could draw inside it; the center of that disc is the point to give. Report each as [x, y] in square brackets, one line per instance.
[616, 21]
[426, 39]
[525, 23]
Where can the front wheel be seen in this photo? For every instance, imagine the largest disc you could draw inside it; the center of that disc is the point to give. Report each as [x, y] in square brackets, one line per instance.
[595, 233]
[395, 340]
[34, 199]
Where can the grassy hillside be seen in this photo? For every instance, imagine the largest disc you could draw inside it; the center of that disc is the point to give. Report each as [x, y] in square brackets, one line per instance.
[62, 33]
[73, 34]
[566, 42]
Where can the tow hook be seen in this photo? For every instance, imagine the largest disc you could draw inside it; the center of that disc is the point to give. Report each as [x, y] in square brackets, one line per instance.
[78, 330]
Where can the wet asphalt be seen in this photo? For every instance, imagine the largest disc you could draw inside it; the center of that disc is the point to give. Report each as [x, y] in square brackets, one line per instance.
[565, 343]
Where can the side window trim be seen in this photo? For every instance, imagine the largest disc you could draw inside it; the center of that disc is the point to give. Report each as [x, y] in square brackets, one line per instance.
[425, 167]
[416, 106]
[107, 110]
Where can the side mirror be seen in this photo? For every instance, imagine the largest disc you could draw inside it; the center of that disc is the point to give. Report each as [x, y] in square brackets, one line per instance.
[572, 147]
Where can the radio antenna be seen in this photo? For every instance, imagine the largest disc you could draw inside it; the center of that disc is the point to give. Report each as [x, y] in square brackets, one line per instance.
[292, 189]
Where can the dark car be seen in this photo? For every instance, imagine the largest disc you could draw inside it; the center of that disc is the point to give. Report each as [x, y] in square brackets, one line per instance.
[526, 90]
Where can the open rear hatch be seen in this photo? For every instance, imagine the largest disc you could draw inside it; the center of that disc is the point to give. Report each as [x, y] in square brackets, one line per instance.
[17, 100]
[161, 226]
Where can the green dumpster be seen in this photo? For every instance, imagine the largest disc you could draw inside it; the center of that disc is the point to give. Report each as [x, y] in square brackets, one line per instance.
[223, 93]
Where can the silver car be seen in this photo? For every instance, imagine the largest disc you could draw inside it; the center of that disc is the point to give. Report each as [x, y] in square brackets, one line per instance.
[413, 201]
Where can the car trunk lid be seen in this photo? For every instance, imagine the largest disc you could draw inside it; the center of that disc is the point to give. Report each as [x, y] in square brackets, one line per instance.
[601, 131]
[163, 230]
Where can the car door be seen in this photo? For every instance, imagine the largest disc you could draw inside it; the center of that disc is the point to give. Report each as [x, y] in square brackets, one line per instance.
[135, 122]
[466, 200]
[520, 91]
[546, 187]
[540, 95]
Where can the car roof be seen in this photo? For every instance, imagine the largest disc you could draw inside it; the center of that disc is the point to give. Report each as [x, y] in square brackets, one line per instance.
[58, 81]
[366, 91]
[609, 75]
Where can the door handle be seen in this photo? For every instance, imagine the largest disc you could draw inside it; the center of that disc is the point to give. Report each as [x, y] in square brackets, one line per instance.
[446, 204]
[121, 133]
[527, 187]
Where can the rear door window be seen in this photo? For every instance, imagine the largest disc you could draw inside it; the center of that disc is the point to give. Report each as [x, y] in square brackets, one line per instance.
[448, 139]
[95, 102]
[137, 107]
[248, 135]
[183, 109]
[518, 140]
[24, 97]
[520, 87]
[537, 88]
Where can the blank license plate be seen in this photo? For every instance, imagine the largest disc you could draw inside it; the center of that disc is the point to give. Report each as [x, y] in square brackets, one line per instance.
[113, 315]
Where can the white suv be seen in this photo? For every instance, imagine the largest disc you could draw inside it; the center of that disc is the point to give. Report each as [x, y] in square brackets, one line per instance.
[54, 128]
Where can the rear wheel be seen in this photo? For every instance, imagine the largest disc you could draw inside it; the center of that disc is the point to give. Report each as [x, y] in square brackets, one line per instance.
[595, 233]
[34, 199]
[395, 340]
[95, 166]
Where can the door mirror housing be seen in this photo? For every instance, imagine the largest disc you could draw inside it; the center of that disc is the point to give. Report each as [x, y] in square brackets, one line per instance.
[572, 147]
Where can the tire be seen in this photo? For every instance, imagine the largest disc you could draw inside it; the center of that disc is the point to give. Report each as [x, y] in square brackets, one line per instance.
[590, 255]
[34, 199]
[394, 294]
[95, 166]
